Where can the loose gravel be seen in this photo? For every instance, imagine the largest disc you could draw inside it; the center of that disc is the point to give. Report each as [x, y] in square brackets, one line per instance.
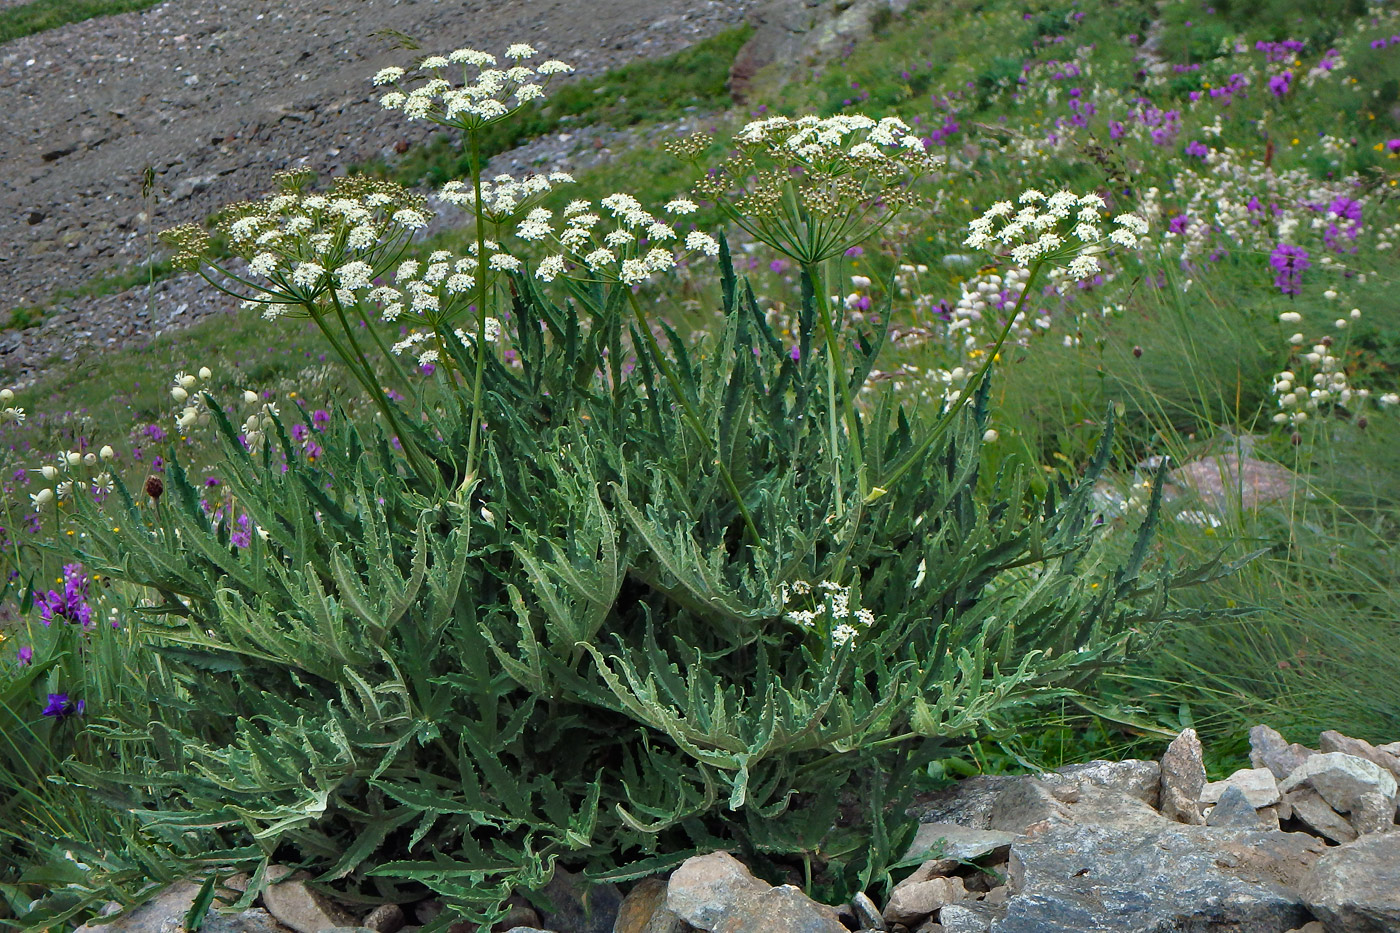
[215, 96]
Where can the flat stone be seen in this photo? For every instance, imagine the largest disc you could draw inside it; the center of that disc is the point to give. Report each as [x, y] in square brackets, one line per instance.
[1331, 741]
[965, 918]
[1315, 813]
[1024, 803]
[1229, 480]
[1356, 888]
[1098, 879]
[1134, 777]
[1269, 749]
[1259, 785]
[1341, 779]
[911, 903]
[297, 906]
[866, 913]
[969, 802]
[386, 918]
[706, 889]
[1234, 809]
[784, 909]
[951, 841]
[1183, 778]
[164, 913]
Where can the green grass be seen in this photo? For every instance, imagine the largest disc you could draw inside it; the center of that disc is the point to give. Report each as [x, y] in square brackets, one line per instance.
[41, 15]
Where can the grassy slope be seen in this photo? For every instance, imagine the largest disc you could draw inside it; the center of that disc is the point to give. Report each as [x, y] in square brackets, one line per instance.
[41, 15]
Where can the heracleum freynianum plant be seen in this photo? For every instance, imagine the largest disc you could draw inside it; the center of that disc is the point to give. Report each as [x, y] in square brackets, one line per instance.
[561, 610]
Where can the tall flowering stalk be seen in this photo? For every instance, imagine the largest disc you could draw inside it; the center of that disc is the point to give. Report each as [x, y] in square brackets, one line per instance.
[812, 188]
[466, 90]
[1062, 229]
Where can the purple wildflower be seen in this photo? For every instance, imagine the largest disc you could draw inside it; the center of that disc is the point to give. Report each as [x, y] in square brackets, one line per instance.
[60, 706]
[1198, 149]
[26, 654]
[1289, 263]
[1279, 84]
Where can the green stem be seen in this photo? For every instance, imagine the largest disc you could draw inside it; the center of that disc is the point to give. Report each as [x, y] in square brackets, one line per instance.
[836, 364]
[691, 415]
[478, 209]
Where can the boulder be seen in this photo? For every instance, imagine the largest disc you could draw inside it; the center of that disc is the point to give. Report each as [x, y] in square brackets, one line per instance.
[959, 843]
[1374, 813]
[1355, 888]
[1024, 803]
[164, 913]
[1331, 741]
[1259, 785]
[1342, 779]
[784, 909]
[1084, 878]
[969, 802]
[708, 888]
[1228, 479]
[1268, 749]
[1133, 777]
[965, 918]
[1183, 779]
[1313, 812]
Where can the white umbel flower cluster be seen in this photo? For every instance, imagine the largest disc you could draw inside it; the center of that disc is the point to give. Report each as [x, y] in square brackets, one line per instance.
[439, 289]
[617, 240]
[483, 92]
[831, 609]
[504, 197]
[1063, 227]
[844, 136]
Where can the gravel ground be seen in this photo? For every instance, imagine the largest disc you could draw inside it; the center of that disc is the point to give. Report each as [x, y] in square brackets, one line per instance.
[217, 95]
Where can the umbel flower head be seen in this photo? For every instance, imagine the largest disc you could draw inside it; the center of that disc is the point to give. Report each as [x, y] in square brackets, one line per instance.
[302, 248]
[1064, 227]
[813, 187]
[504, 198]
[484, 92]
[618, 241]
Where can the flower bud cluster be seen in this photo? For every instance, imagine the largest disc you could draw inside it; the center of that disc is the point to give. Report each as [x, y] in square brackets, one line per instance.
[484, 93]
[73, 470]
[184, 389]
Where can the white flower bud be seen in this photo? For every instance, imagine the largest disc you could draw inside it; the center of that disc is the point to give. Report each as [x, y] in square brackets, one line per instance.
[991, 436]
[106, 453]
[6, 396]
[74, 458]
[49, 473]
[179, 394]
[1290, 317]
[90, 459]
[188, 382]
[204, 372]
[249, 397]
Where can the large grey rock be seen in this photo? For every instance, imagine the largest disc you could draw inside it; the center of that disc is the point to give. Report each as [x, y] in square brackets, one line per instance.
[1331, 741]
[1315, 813]
[784, 909]
[1341, 779]
[1030, 805]
[1136, 778]
[1356, 888]
[1229, 479]
[1183, 778]
[968, 802]
[254, 920]
[1234, 810]
[1269, 749]
[951, 841]
[1374, 813]
[708, 888]
[1027, 802]
[966, 918]
[1259, 785]
[1100, 879]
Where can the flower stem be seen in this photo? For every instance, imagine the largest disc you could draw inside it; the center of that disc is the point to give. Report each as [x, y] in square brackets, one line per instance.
[835, 363]
[478, 210]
